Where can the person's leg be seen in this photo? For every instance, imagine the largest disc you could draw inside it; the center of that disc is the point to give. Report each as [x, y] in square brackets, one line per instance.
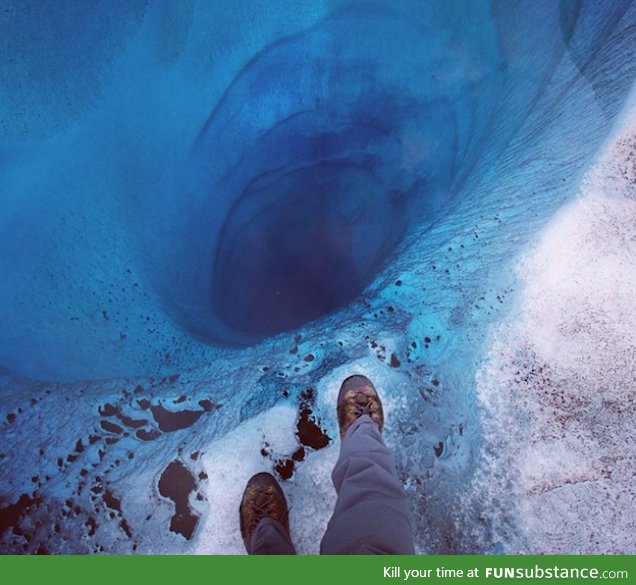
[271, 538]
[372, 514]
[264, 517]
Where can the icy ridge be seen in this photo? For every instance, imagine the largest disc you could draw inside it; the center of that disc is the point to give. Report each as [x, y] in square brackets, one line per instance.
[557, 392]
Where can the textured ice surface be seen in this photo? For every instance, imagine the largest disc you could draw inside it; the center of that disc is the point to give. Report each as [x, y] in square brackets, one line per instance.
[559, 377]
[506, 292]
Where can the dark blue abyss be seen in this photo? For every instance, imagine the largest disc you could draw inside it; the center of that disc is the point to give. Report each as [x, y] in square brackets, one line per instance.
[328, 148]
[217, 175]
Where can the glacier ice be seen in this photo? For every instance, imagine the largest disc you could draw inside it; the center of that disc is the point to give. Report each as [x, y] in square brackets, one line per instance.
[211, 216]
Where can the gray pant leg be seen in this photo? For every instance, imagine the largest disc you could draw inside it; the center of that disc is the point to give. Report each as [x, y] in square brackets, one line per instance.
[372, 514]
[270, 538]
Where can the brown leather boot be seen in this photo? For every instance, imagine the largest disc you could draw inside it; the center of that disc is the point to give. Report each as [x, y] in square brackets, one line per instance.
[358, 396]
[262, 498]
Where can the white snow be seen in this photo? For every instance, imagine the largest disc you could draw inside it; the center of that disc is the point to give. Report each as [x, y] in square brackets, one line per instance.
[558, 389]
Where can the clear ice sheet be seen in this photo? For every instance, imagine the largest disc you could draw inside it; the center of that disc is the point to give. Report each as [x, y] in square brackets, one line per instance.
[498, 329]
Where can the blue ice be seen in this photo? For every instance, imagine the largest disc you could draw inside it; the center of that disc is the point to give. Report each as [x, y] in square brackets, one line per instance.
[248, 196]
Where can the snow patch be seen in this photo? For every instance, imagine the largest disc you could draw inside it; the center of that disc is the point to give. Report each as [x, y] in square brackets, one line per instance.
[557, 390]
